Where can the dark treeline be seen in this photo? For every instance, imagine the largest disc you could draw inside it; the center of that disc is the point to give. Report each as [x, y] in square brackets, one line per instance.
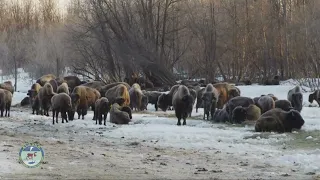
[111, 40]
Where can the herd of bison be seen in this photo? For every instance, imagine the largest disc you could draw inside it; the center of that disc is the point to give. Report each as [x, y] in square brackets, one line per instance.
[222, 102]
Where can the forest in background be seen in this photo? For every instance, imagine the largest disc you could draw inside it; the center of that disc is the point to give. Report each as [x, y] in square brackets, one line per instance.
[109, 40]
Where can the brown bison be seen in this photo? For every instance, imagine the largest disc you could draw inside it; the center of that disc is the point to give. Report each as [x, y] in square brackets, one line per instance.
[54, 85]
[105, 88]
[118, 91]
[278, 120]
[5, 102]
[210, 99]
[165, 100]
[102, 107]
[153, 97]
[238, 101]
[82, 98]
[136, 97]
[296, 98]
[118, 116]
[199, 103]
[265, 103]
[182, 102]
[63, 88]
[283, 104]
[61, 103]
[95, 85]
[72, 81]
[7, 85]
[45, 78]
[45, 95]
[223, 89]
[253, 112]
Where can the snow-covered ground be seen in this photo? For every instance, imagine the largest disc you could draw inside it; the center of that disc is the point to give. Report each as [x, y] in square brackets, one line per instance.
[229, 150]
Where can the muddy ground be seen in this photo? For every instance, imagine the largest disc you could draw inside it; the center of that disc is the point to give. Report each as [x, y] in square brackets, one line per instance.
[83, 153]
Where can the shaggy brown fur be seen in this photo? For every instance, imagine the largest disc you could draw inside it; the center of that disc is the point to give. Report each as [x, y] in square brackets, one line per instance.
[165, 100]
[94, 84]
[54, 85]
[265, 103]
[7, 85]
[118, 116]
[136, 97]
[63, 88]
[283, 104]
[60, 103]
[102, 107]
[36, 105]
[118, 91]
[280, 121]
[209, 98]
[25, 101]
[128, 110]
[199, 103]
[153, 98]
[253, 112]
[45, 78]
[182, 102]
[223, 89]
[45, 95]
[105, 88]
[233, 92]
[82, 98]
[5, 102]
[72, 81]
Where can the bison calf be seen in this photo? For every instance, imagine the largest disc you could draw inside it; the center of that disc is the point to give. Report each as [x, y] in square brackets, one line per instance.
[102, 107]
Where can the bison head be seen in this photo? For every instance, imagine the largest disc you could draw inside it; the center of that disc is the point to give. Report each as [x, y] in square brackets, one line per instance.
[293, 120]
[311, 98]
[239, 115]
[163, 102]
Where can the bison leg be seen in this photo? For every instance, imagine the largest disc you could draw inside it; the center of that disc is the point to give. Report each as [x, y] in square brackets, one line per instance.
[53, 114]
[9, 107]
[57, 115]
[2, 112]
[100, 118]
[196, 110]
[96, 114]
[84, 112]
[79, 112]
[156, 106]
[33, 110]
[105, 118]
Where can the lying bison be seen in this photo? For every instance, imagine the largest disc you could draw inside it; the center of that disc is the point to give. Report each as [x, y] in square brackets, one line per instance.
[278, 120]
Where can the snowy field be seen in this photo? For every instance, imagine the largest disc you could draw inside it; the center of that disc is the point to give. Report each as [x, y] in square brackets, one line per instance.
[154, 147]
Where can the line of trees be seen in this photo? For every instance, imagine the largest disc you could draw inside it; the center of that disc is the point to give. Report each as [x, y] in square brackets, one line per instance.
[110, 40]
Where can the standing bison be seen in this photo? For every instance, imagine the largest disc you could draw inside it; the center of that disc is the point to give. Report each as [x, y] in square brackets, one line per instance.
[209, 99]
[182, 102]
[102, 107]
[5, 102]
[296, 98]
[61, 103]
[165, 100]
